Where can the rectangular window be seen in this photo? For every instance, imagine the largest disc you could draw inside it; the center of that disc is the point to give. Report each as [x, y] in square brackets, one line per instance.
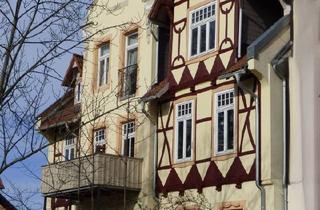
[128, 139]
[77, 93]
[70, 147]
[224, 122]
[99, 139]
[130, 71]
[103, 66]
[202, 30]
[184, 125]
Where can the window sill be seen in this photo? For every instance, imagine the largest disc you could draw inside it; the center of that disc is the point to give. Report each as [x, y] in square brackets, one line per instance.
[224, 156]
[103, 87]
[122, 98]
[183, 163]
[201, 57]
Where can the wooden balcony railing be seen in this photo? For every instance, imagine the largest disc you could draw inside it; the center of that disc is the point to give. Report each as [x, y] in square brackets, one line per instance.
[102, 170]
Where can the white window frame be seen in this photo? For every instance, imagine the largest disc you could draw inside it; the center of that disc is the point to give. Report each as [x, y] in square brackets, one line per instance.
[97, 141]
[129, 48]
[69, 145]
[224, 109]
[130, 136]
[198, 25]
[77, 93]
[106, 69]
[184, 119]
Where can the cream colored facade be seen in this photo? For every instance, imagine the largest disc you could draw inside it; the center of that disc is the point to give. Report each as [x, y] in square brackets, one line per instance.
[104, 107]
[206, 179]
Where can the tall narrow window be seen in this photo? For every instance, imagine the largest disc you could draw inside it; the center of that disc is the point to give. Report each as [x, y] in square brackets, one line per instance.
[183, 130]
[77, 93]
[224, 122]
[128, 139]
[104, 60]
[69, 151]
[130, 71]
[100, 139]
[202, 30]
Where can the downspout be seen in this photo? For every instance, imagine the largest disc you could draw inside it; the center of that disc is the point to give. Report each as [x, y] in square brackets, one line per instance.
[282, 74]
[257, 137]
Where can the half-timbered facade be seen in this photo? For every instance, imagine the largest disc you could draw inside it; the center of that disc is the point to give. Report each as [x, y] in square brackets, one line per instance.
[214, 150]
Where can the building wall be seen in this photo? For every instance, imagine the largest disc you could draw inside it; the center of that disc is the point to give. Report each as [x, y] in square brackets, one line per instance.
[115, 22]
[127, 16]
[304, 102]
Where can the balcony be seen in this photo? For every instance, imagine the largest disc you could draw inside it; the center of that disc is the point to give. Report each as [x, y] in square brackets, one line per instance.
[82, 174]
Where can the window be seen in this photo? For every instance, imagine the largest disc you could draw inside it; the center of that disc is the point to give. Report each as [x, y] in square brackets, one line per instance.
[202, 30]
[77, 93]
[104, 60]
[128, 137]
[224, 122]
[99, 138]
[130, 71]
[183, 130]
[69, 151]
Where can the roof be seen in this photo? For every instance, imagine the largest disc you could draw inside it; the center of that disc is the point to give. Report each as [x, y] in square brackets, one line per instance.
[269, 35]
[156, 91]
[160, 5]
[1, 184]
[239, 65]
[62, 111]
[74, 67]
[3, 201]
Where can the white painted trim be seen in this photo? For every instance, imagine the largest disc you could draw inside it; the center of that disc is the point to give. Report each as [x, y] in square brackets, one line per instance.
[198, 26]
[184, 118]
[106, 58]
[224, 109]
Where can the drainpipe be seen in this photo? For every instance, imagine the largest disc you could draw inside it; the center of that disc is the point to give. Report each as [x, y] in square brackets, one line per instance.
[281, 72]
[257, 137]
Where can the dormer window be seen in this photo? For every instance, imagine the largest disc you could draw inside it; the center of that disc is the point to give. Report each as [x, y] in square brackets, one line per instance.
[202, 37]
[103, 66]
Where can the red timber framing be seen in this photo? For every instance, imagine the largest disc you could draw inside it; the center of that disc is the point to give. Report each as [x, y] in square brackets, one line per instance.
[227, 44]
[236, 173]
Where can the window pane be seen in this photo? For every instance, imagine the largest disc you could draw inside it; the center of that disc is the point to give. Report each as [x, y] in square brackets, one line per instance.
[132, 39]
[101, 72]
[220, 131]
[132, 57]
[104, 49]
[180, 139]
[132, 147]
[107, 70]
[194, 41]
[66, 154]
[72, 154]
[188, 136]
[212, 34]
[126, 147]
[230, 129]
[203, 38]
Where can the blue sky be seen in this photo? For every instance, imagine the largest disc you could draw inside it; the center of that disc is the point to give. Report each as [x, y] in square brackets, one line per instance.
[25, 176]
